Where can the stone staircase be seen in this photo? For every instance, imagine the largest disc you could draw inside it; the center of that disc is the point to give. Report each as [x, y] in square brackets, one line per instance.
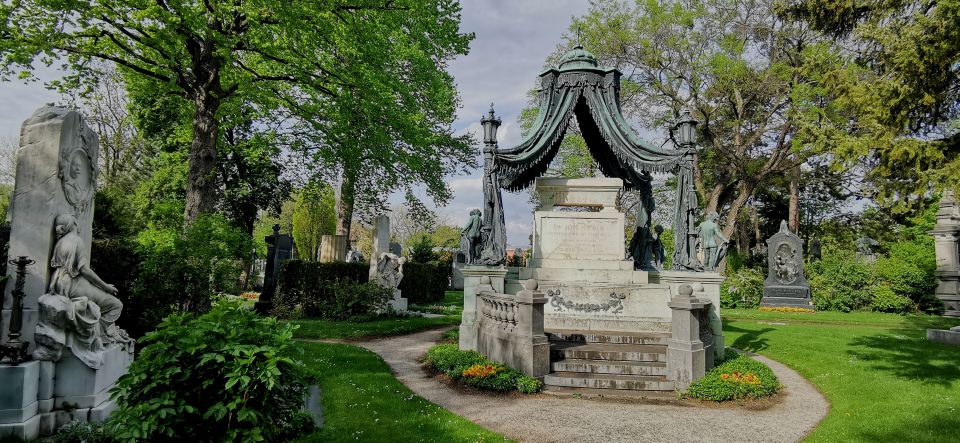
[608, 363]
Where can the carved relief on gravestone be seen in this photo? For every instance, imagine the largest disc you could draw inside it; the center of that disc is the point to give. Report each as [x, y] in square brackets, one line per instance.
[785, 284]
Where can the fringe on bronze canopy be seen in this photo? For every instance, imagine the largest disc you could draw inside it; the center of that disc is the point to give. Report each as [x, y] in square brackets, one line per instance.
[611, 141]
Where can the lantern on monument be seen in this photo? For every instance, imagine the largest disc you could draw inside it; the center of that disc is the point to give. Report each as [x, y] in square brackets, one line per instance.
[490, 124]
[684, 132]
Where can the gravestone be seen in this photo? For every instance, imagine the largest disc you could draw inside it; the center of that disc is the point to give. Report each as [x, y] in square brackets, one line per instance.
[785, 285]
[396, 249]
[78, 353]
[279, 249]
[456, 278]
[333, 248]
[386, 267]
[381, 242]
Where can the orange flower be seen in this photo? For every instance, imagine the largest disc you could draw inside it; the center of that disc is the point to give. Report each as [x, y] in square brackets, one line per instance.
[480, 371]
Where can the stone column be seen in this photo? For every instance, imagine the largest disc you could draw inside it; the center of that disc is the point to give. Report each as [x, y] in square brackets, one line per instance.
[333, 248]
[946, 233]
[471, 280]
[534, 348]
[686, 359]
[707, 286]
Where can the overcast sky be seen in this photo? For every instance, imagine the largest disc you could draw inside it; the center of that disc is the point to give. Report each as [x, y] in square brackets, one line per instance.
[513, 38]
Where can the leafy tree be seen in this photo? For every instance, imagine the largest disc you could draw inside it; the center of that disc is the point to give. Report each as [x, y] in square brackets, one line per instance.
[421, 249]
[252, 174]
[291, 56]
[901, 89]
[313, 217]
[752, 80]
[446, 236]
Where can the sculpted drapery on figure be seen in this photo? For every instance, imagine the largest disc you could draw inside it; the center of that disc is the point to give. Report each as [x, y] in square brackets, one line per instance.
[578, 86]
[79, 310]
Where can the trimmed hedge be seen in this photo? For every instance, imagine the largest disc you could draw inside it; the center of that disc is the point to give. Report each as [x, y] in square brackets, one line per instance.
[472, 368]
[310, 285]
[425, 282]
[306, 289]
[738, 377]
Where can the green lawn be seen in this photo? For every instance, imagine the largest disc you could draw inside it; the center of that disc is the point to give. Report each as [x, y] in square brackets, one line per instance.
[320, 329]
[363, 401]
[451, 304]
[884, 380]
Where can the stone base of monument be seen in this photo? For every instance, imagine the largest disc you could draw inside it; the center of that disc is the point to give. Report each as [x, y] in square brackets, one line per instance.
[38, 397]
[786, 297]
[948, 336]
[398, 303]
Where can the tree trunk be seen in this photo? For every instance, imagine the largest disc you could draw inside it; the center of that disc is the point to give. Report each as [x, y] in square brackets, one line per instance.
[201, 173]
[744, 191]
[793, 214]
[345, 205]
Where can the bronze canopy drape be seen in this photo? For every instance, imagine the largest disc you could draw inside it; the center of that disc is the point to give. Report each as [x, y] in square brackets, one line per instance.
[592, 94]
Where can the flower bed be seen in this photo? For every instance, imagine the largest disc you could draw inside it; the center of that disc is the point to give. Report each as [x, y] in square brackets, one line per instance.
[786, 309]
[473, 369]
[738, 377]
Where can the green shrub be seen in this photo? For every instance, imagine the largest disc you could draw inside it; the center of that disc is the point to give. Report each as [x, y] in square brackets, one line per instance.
[742, 289]
[473, 369]
[425, 282]
[220, 376]
[82, 432]
[839, 281]
[736, 378]
[421, 249]
[182, 270]
[304, 285]
[885, 299]
[451, 336]
[345, 299]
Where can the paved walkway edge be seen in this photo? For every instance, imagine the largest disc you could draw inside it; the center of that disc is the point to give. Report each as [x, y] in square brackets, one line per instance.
[545, 418]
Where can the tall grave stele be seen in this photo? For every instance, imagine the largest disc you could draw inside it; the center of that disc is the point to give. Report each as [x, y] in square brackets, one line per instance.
[68, 314]
[786, 285]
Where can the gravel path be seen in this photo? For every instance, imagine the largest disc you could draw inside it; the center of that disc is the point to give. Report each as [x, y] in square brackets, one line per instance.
[548, 418]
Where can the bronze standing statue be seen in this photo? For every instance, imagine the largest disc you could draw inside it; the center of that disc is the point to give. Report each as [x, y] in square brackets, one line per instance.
[472, 241]
[713, 242]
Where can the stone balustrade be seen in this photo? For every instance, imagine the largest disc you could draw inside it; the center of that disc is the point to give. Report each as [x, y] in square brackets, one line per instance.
[509, 328]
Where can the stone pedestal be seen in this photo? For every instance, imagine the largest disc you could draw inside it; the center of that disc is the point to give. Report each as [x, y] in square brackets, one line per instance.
[471, 281]
[947, 336]
[687, 356]
[706, 286]
[333, 248]
[398, 303]
[18, 400]
[946, 234]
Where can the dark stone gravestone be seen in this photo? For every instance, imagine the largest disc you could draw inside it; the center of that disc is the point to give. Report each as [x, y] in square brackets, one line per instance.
[785, 285]
[396, 249]
[279, 249]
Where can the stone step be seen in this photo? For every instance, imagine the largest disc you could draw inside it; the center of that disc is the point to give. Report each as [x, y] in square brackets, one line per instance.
[610, 367]
[608, 381]
[605, 351]
[563, 391]
[626, 338]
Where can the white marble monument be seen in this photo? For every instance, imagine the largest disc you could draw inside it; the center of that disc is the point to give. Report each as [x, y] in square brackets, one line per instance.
[69, 312]
[386, 268]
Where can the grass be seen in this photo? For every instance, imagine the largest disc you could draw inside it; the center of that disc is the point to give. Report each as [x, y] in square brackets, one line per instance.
[363, 401]
[452, 303]
[322, 329]
[884, 380]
